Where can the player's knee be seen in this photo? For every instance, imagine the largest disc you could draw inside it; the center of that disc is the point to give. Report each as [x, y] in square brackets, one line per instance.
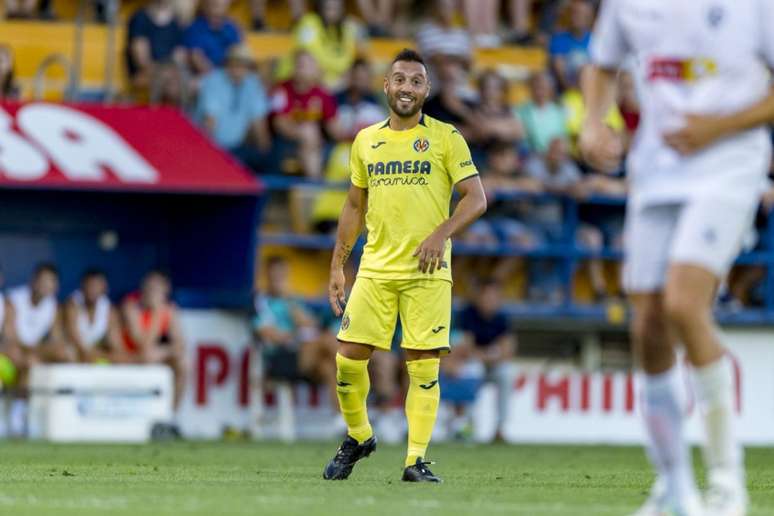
[680, 307]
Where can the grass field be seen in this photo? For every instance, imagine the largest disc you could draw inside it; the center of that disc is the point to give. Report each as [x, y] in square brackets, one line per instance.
[274, 479]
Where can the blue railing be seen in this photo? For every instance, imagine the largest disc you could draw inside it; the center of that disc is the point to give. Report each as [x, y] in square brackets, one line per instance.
[565, 253]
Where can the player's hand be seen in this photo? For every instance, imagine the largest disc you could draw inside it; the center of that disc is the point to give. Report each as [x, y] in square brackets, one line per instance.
[600, 147]
[698, 132]
[336, 296]
[430, 252]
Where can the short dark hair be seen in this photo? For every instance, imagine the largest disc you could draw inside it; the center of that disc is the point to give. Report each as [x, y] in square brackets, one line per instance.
[274, 260]
[93, 272]
[45, 267]
[410, 55]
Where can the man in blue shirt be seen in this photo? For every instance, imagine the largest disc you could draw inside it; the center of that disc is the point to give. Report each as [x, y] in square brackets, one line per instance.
[154, 36]
[210, 36]
[232, 108]
[569, 49]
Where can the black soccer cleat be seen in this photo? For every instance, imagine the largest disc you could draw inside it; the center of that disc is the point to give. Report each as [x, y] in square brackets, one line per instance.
[419, 472]
[340, 466]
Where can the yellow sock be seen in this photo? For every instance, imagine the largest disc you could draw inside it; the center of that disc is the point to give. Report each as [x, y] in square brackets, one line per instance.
[422, 399]
[352, 384]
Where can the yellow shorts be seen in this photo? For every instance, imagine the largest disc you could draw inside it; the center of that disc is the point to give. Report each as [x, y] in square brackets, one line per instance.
[372, 310]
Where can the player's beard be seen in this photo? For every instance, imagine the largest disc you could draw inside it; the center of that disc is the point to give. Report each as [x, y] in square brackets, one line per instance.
[408, 112]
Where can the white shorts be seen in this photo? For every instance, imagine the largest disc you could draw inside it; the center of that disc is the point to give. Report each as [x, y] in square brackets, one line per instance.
[707, 232]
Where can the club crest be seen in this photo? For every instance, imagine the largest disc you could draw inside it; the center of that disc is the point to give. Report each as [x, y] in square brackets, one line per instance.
[421, 145]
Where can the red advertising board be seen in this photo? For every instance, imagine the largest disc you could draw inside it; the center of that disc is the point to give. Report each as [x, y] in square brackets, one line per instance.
[94, 147]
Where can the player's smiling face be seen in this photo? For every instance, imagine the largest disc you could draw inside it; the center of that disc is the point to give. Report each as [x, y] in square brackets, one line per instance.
[406, 87]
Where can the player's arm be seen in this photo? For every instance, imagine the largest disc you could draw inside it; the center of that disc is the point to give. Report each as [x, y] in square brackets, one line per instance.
[349, 229]
[597, 142]
[472, 205]
[700, 131]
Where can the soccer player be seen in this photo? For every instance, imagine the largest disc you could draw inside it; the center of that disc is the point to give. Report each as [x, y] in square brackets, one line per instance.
[403, 171]
[697, 167]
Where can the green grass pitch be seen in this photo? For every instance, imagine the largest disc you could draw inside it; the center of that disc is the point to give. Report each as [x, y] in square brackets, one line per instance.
[275, 479]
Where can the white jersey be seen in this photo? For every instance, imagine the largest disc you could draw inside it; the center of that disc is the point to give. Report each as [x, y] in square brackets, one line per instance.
[692, 57]
[92, 331]
[33, 322]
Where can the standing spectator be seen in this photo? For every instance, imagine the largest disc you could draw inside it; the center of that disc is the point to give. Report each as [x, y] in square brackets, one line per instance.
[9, 90]
[569, 50]
[210, 36]
[154, 36]
[303, 115]
[482, 16]
[493, 118]
[289, 334]
[488, 340]
[91, 323]
[32, 334]
[331, 37]
[440, 39]
[233, 107]
[152, 330]
[543, 118]
[357, 108]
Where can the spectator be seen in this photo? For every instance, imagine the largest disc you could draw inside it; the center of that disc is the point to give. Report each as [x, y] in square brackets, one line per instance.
[9, 90]
[569, 50]
[494, 120]
[454, 101]
[440, 39]
[233, 107]
[154, 36]
[91, 322]
[292, 346]
[543, 118]
[152, 331]
[15, 9]
[487, 340]
[482, 16]
[331, 37]
[210, 36]
[358, 107]
[32, 334]
[379, 16]
[561, 176]
[303, 116]
[170, 86]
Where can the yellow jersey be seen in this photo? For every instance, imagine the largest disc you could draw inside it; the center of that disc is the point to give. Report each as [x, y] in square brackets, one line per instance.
[410, 176]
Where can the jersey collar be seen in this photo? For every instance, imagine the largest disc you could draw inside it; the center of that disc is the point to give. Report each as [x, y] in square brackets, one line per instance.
[421, 122]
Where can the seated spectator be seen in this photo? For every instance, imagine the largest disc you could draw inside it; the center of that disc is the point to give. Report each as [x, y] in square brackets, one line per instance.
[154, 36]
[493, 118]
[289, 334]
[454, 101]
[233, 107]
[303, 116]
[210, 36]
[439, 38]
[358, 107]
[331, 37]
[32, 335]
[569, 50]
[561, 176]
[9, 90]
[488, 341]
[21, 9]
[379, 15]
[92, 323]
[169, 86]
[152, 331]
[543, 118]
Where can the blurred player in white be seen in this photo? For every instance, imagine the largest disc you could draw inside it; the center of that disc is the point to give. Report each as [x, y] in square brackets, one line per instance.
[696, 172]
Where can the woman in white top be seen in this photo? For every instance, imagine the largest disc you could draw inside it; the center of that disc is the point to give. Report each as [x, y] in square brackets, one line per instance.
[92, 324]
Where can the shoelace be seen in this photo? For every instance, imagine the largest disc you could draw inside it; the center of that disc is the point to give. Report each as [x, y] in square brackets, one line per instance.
[346, 452]
[423, 467]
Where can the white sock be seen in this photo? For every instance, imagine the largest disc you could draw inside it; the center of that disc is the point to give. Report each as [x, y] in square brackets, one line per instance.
[17, 420]
[715, 394]
[663, 414]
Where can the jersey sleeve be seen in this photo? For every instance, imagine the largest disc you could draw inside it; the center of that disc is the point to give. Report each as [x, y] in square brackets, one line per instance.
[609, 47]
[357, 171]
[459, 163]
